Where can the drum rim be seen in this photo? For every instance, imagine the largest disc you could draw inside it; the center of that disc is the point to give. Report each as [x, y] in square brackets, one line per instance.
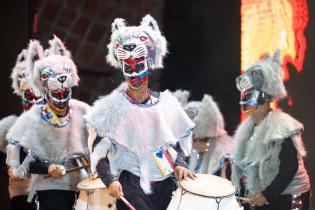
[91, 188]
[207, 196]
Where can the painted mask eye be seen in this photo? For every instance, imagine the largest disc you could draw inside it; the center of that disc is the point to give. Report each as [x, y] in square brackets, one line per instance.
[143, 38]
[19, 77]
[45, 73]
[128, 69]
[140, 67]
[116, 45]
[44, 76]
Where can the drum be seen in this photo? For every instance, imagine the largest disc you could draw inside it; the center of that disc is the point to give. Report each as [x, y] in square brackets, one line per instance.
[94, 196]
[206, 192]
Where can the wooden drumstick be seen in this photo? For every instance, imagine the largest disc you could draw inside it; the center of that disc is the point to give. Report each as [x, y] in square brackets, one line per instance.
[71, 169]
[127, 203]
[246, 200]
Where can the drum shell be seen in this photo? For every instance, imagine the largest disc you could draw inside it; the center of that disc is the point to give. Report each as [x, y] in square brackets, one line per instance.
[97, 199]
[94, 195]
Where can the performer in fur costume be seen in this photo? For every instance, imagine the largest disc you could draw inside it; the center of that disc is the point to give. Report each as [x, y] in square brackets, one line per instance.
[52, 131]
[268, 151]
[211, 144]
[141, 137]
[20, 77]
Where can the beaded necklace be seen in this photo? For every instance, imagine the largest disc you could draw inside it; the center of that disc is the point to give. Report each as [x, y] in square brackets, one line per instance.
[48, 115]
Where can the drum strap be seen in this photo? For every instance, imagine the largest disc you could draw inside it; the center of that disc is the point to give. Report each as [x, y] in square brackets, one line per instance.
[183, 192]
[217, 199]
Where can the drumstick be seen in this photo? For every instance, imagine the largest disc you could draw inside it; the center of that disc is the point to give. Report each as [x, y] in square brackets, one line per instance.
[247, 200]
[77, 168]
[127, 203]
[71, 169]
[244, 199]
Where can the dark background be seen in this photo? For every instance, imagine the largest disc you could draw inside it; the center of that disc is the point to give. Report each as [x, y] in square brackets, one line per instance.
[204, 45]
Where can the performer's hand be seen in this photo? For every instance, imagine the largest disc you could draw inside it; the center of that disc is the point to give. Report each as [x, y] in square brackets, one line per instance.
[10, 172]
[258, 200]
[56, 171]
[11, 175]
[115, 189]
[182, 173]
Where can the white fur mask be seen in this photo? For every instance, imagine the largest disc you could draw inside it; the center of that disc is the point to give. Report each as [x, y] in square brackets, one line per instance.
[144, 40]
[207, 117]
[21, 73]
[56, 71]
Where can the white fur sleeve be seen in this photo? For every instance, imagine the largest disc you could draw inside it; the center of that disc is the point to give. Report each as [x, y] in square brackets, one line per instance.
[100, 151]
[13, 155]
[5, 125]
[20, 127]
[185, 143]
[13, 161]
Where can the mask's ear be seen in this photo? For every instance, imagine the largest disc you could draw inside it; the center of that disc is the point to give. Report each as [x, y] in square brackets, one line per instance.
[148, 20]
[56, 47]
[117, 24]
[19, 67]
[276, 58]
[35, 52]
[276, 63]
[182, 96]
[267, 57]
[22, 56]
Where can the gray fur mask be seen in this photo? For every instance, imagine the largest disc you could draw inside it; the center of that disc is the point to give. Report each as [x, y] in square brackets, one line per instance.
[252, 78]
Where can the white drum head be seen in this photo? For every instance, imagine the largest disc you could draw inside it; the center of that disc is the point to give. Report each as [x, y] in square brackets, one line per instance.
[91, 184]
[208, 185]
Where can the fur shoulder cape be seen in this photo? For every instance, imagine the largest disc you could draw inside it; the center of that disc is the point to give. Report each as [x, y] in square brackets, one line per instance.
[139, 128]
[47, 142]
[256, 150]
[277, 127]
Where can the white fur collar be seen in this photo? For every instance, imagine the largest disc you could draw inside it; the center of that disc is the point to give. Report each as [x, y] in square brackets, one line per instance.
[277, 126]
[51, 143]
[115, 117]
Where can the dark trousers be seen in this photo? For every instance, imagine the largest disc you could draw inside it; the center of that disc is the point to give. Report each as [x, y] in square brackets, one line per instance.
[158, 200]
[284, 202]
[56, 199]
[20, 203]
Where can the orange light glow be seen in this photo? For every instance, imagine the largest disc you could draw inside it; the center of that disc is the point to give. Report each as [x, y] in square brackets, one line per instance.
[274, 24]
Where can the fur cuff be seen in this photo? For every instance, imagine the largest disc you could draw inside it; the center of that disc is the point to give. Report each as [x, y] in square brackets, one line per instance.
[22, 170]
[13, 156]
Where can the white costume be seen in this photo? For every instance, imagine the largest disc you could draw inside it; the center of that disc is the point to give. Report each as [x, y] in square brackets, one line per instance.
[120, 122]
[268, 156]
[48, 138]
[21, 86]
